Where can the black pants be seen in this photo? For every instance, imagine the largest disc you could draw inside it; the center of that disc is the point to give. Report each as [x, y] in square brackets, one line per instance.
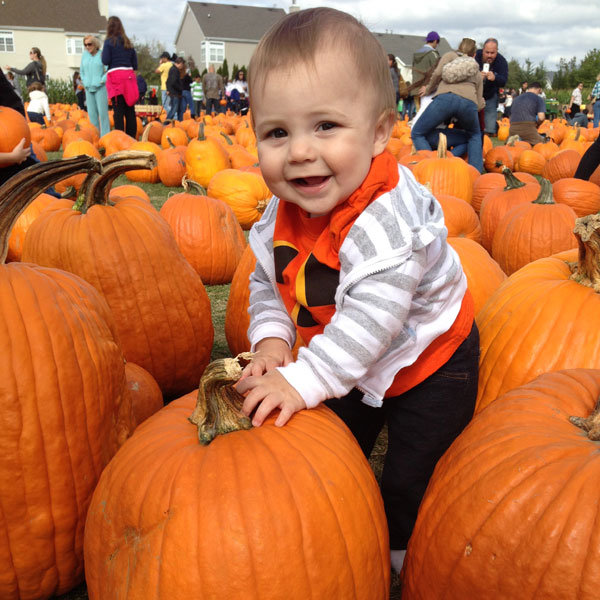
[124, 116]
[589, 161]
[422, 423]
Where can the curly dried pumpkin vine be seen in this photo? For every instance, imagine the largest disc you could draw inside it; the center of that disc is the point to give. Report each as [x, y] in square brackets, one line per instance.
[586, 270]
[21, 189]
[218, 406]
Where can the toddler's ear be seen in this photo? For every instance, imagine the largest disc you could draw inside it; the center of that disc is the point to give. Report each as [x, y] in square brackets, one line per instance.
[383, 131]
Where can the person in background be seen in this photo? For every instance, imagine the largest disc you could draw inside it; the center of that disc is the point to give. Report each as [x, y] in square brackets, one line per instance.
[174, 89]
[494, 72]
[79, 90]
[142, 88]
[197, 95]
[510, 96]
[35, 70]
[93, 76]
[186, 90]
[11, 79]
[213, 89]
[352, 256]
[581, 118]
[38, 106]
[163, 69]
[523, 88]
[528, 111]
[408, 105]
[594, 97]
[395, 75]
[120, 57]
[576, 100]
[424, 59]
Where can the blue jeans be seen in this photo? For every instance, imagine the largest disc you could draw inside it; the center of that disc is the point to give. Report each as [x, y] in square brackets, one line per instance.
[408, 107]
[173, 107]
[596, 106]
[490, 114]
[184, 102]
[165, 100]
[212, 105]
[441, 110]
[97, 108]
[422, 423]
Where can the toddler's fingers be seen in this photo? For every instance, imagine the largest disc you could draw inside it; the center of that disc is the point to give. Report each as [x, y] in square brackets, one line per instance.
[263, 411]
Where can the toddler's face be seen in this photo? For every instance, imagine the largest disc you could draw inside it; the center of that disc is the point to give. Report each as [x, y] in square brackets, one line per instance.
[317, 131]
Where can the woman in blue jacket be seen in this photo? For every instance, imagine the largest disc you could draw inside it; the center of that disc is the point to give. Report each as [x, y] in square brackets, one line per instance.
[93, 76]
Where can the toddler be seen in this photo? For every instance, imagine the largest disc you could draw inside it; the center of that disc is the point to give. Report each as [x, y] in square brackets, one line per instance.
[352, 255]
[38, 103]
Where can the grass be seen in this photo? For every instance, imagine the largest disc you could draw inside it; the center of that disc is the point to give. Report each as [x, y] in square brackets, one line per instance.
[218, 295]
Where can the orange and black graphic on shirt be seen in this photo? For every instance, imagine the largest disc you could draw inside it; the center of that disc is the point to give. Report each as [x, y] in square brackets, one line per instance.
[307, 286]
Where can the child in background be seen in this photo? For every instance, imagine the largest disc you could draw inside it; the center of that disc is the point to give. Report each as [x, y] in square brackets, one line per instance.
[197, 95]
[38, 104]
[352, 254]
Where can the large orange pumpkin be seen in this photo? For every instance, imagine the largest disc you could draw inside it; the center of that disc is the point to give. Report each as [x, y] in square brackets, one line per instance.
[267, 513]
[512, 508]
[64, 406]
[541, 318]
[204, 157]
[582, 196]
[460, 218]
[128, 253]
[207, 233]
[13, 128]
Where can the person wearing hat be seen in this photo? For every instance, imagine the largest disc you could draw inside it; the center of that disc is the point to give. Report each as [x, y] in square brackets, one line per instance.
[424, 59]
[494, 71]
[163, 69]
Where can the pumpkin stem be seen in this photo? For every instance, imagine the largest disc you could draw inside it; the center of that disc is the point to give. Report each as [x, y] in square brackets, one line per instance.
[21, 189]
[442, 148]
[545, 196]
[586, 270]
[96, 187]
[512, 183]
[589, 424]
[201, 135]
[218, 406]
[146, 132]
[192, 187]
[227, 138]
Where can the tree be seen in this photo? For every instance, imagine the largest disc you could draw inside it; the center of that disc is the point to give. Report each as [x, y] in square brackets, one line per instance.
[147, 55]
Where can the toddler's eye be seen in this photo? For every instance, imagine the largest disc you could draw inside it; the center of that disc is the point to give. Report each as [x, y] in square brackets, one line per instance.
[326, 126]
[277, 133]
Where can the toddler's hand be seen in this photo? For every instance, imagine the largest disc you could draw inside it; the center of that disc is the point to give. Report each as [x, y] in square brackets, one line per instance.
[269, 391]
[270, 353]
[20, 152]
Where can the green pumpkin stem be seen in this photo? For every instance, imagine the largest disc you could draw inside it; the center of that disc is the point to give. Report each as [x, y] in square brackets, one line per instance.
[545, 196]
[218, 406]
[21, 189]
[192, 187]
[589, 424]
[512, 183]
[586, 270]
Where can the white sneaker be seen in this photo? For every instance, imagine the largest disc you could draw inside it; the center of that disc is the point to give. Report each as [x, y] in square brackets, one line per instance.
[397, 559]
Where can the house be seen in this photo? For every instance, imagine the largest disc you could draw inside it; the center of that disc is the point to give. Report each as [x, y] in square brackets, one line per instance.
[404, 46]
[209, 32]
[56, 27]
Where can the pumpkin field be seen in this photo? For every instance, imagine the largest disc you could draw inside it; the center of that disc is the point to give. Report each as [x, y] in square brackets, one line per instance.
[127, 475]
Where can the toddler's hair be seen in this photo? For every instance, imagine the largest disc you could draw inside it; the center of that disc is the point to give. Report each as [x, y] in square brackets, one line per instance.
[36, 85]
[299, 35]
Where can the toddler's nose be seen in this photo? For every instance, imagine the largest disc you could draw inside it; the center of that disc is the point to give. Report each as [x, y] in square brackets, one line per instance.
[301, 149]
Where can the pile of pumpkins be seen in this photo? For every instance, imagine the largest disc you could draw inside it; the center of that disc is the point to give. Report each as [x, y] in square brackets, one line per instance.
[125, 311]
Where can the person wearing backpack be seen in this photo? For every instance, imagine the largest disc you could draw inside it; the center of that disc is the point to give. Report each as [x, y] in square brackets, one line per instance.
[35, 71]
[457, 89]
[213, 88]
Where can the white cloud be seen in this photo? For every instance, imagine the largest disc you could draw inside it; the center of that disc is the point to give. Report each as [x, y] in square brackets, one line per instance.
[541, 30]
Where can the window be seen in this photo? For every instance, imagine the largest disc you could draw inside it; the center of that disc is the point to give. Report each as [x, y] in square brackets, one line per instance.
[212, 52]
[7, 42]
[74, 45]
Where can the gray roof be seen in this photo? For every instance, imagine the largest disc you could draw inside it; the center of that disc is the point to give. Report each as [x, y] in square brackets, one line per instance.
[69, 15]
[404, 46]
[230, 21]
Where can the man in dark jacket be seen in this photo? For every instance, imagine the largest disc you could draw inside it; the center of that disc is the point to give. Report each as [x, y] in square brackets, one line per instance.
[494, 70]
[174, 89]
[424, 59]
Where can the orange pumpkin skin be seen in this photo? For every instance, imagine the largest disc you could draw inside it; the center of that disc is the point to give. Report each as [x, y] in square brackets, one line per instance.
[510, 511]
[19, 229]
[445, 175]
[13, 128]
[562, 164]
[65, 411]
[167, 500]
[146, 397]
[497, 159]
[204, 158]
[483, 273]
[207, 233]
[536, 311]
[531, 161]
[128, 253]
[171, 165]
[490, 181]
[245, 192]
[460, 218]
[582, 196]
[127, 191]
[76, 148]
[531, 231]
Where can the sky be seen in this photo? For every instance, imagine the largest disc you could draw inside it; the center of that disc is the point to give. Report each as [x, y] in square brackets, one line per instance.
[541, 30]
